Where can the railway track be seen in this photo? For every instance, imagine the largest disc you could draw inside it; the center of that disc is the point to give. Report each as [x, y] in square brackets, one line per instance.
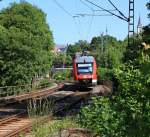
[63, 106]
[20, 123]
[42, 93]
[13, 125]
[16, 125]
[63, 103]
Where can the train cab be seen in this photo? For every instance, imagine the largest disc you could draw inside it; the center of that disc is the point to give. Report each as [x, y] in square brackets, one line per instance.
[84, 70]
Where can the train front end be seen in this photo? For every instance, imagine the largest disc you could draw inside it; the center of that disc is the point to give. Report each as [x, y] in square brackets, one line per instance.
[84, 70]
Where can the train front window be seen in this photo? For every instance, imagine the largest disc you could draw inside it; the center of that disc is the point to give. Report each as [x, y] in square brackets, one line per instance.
[84, 68]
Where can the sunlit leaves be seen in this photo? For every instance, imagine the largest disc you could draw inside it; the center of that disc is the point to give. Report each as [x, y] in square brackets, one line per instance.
[25, 44]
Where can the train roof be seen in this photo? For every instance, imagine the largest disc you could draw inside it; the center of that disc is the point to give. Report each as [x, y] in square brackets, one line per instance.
[83, 59]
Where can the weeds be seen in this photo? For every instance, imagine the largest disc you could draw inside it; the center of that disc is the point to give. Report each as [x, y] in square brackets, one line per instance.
[53, 127]
[37, 108]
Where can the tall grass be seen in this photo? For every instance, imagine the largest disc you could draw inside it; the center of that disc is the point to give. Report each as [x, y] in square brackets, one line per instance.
[38, 108]
[54, 127]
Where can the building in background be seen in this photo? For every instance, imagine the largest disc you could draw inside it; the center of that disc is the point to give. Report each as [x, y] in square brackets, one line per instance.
[60, 49]
[139, 26]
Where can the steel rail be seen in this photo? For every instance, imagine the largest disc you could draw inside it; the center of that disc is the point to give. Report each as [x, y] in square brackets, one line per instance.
[25, 125]
[70, 105]
[31, 95]
[10, 118]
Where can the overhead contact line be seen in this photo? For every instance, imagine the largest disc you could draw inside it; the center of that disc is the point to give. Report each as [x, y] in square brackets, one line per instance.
[96, 5]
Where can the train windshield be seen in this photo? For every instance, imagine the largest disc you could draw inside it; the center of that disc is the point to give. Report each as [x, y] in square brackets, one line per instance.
[84, 68]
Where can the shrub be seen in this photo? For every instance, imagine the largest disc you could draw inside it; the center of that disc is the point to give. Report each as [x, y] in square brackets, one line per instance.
[53, 128]
[104, 74]
[36, 108]
[134, 93]
[44, 83]
[62, 75]
[127, 114]
[101, 118]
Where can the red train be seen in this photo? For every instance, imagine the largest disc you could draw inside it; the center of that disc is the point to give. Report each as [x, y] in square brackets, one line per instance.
[84, 70]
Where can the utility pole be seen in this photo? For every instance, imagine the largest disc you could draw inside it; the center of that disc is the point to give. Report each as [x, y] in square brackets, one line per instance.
[131, 23]
[102, 42]
[120, 15]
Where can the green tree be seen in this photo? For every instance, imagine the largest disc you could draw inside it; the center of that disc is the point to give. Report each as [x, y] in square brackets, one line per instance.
[80, 46]
[127, 112]
[72, 49]
[132, 51]
[107, 50]
[85, 46]
[148, 7]
[25, 44]
[146, 32]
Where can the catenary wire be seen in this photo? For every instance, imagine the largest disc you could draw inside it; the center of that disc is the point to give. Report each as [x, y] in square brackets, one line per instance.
[69, 14]
[60, 6]
[87, 5]
[107, 10]
[117, 9]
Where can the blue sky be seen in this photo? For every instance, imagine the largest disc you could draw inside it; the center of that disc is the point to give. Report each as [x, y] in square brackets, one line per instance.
[67, 29]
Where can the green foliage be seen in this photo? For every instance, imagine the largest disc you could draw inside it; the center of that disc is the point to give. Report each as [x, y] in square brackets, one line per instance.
[146, 29]
[79, 46]
[101, 118]
[146, 34]
[62, 58]
[59, 59]
[127, 114]
[44, 83]
[148, 7]
[133, 98]
[25, 43]
[36, 108]
[107, 51]
[85, 46]
[53, 128]
[62, 75]
[104, 74]
[72, 49]
[68, 61]
[133, 51]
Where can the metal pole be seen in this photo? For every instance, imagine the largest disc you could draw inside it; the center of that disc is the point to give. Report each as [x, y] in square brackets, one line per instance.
[131, 23]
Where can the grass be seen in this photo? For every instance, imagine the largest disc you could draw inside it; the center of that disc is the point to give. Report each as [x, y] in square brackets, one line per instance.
[40, 108]
[53, 127]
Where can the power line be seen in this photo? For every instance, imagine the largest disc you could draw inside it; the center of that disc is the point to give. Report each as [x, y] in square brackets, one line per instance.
[107, 10]
[60, 6]
[85, 14]
[117, 9]
[69, 14]
[76, 25]
[92, 18]
[87, 5]
[77, 20]
[90, 26]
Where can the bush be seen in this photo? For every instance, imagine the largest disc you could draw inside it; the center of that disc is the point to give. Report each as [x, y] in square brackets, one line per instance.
[62, 75]
[104, 74]
[44, 83]
[127, 114]
[53, 128]
[100, 118]
[133, 94]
